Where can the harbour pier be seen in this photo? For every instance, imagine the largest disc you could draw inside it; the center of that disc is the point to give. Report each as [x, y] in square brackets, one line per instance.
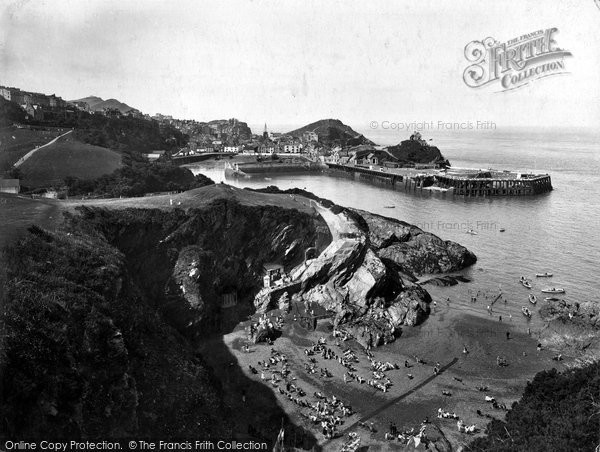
[458, 182]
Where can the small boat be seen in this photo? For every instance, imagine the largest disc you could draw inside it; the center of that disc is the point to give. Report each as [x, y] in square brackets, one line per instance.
[526, 283]
[472, 232]
[532, 298]
[502, 229]
[268, 178]
[389, 207]
[552, 299]
[526, 312]
[543, 275]
[553, 290]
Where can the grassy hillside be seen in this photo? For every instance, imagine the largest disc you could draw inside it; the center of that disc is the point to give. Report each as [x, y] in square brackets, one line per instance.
[333, 131]
[68, 157]
[98, 104]
[85, 355]
[15, 143]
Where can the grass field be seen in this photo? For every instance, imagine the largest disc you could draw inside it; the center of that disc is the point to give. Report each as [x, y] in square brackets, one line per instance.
[15, 143]
[68, 157]
[200, 197]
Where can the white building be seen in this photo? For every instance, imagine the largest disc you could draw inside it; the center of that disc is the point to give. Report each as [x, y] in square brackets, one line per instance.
[292, 148]
[232, 149]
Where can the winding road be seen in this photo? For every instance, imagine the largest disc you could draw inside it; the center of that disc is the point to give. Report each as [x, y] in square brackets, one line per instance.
[33, 151]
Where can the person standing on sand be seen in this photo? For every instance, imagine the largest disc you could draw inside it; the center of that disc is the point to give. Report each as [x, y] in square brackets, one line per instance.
[507, 335]
[499, 318]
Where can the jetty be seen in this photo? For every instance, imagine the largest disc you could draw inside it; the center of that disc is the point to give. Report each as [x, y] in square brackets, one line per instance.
[455, 182]
[295, 165]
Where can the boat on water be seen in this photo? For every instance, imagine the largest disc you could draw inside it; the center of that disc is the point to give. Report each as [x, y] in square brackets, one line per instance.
[526, 312]
[543, 275]
[553, 290]
[472, 232]
[389, 207]
[532, 298]
[526, 283]
[502, 229]
[268, 178]
[552, 299]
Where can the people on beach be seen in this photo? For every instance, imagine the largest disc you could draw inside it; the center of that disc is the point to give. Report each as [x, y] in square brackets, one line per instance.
[507, 335]
[499, 318]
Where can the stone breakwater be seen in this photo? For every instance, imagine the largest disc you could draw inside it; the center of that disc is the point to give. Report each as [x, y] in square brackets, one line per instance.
[366, 276]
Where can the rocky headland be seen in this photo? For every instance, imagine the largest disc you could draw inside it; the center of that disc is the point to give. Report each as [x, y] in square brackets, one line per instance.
[101, 315]
[366, 278]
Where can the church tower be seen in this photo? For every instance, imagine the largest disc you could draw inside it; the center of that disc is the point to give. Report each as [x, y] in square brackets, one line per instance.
[265, 133]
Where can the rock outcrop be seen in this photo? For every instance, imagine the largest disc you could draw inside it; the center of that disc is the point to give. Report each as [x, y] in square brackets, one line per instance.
[572, 324]
[413, 250]
[417, 151]
[365, 277]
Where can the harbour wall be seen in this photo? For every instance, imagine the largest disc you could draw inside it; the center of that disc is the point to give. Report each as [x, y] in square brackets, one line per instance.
[527, 185]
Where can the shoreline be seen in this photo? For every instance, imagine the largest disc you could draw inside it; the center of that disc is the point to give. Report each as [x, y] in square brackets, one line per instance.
[484, 338]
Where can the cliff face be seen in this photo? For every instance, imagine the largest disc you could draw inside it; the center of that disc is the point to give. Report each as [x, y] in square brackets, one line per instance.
[188, 262]
[94, 345]
[86, 356]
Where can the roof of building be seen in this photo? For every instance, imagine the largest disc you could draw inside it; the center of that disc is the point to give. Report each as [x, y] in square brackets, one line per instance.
[9, 183]
[272, 266]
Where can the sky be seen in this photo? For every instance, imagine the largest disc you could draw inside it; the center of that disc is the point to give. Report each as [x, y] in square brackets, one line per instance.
[294, 62]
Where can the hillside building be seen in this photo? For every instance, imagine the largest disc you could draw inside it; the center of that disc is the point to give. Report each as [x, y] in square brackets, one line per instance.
[10, 186]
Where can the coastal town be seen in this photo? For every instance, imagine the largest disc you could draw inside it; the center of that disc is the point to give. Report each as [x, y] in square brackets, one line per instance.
[327, 145]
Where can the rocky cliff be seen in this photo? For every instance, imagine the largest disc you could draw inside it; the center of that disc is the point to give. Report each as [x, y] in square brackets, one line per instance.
[94, 316]
[366, 276]
[415, 151]
[414, 251]
[188, 262]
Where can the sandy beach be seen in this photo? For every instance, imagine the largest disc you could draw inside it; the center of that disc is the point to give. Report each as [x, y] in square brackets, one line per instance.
[439, 340]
